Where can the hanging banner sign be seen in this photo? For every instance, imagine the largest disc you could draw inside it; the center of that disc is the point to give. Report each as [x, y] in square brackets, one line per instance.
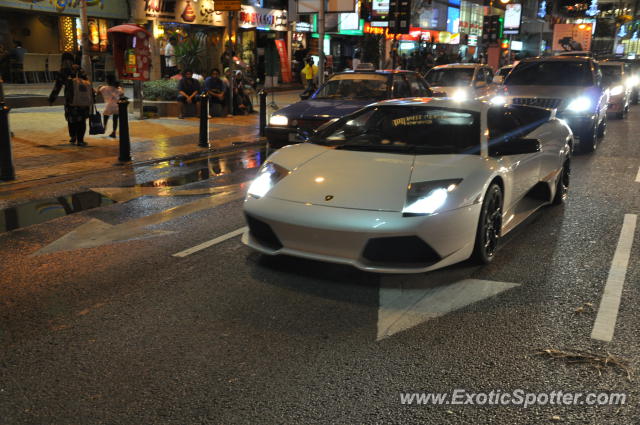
[227, 5]
[285, 68]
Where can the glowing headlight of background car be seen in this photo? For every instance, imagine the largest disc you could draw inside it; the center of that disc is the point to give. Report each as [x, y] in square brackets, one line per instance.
[460, 95]
[279, 120]
[425, 198]
[616, 90]
[580, 104]
[633, 81]
[268, 176]
[498, 100]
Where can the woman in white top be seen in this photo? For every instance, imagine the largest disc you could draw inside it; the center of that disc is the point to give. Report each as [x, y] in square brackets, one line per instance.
[111, 94]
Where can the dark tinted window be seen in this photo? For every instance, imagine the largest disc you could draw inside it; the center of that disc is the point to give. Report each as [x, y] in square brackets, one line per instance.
[611, 73]
[514, 121]
[401, 86]
[406, 129]
[551, 73]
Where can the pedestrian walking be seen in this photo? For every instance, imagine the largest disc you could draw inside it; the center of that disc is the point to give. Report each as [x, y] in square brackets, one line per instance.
[309, 75]
[78, 99]
[111, 93]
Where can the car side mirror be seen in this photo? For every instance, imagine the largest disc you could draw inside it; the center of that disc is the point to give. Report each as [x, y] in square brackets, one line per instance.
[498, 79]
[517, 146]
[305, 96]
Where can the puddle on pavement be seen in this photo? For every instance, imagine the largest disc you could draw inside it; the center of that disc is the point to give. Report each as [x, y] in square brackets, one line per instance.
[42, 210]
[205, 168]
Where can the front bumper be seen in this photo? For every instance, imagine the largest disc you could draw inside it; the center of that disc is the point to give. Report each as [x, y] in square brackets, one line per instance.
[368, 240]
[580, 124]
[281, 135]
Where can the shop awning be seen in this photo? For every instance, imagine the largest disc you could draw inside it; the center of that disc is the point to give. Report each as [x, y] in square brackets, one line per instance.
[130, 29]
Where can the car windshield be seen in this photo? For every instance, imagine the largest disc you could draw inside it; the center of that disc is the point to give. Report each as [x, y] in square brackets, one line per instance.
[551, 73]
[611, 73]
[355, 86]
[406, 129]
[450, 77]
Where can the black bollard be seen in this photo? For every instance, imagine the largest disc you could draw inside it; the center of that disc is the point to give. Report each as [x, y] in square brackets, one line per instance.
[263, 110]
[123, 132]
[203, 140]
[7, 171]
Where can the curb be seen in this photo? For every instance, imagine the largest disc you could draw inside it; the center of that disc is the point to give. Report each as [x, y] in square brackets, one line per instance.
[238, 146]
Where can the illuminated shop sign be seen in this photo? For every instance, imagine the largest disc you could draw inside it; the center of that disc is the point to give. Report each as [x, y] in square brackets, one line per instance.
[268, 19]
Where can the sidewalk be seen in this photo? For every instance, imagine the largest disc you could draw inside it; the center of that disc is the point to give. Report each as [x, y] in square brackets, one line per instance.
[41, 149]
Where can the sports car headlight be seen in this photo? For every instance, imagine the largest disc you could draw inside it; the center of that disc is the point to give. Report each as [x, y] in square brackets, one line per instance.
[460, 95]
[428, 197]
[580, 104]
[279, 120]
[268, 176]
[632, 81]
[616, 90]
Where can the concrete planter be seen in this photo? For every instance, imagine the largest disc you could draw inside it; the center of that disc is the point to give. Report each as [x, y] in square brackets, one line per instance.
[164, 108]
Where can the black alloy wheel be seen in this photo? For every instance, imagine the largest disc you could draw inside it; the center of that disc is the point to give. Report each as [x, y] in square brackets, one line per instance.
[562, 185]
[489, 225]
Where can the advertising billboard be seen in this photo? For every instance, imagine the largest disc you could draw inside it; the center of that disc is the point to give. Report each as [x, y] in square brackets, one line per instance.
[512, 18]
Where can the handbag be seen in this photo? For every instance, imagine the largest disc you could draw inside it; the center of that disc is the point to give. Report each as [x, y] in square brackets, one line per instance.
[95, 122]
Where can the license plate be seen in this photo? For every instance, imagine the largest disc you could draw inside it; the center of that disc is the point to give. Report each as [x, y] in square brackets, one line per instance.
[293, 137]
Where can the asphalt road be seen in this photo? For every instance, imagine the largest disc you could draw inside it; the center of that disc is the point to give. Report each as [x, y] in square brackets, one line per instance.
[124, 332]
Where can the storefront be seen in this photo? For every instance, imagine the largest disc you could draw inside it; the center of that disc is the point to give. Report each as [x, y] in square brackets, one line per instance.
[258, 31]
[196, 26]
[54, 27]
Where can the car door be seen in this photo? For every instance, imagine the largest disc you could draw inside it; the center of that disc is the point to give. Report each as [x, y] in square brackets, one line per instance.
[484, 80]
[524, 169]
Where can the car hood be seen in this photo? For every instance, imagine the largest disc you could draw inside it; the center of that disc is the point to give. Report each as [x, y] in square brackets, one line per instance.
[364, 180]
[565, 93]
[323, 108]
[449, 90]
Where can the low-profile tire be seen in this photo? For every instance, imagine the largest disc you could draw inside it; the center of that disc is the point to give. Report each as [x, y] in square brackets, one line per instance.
[562, 185]
[634, 98]
[589, 140]
[489, 226]
[602, 128]
[620, 115]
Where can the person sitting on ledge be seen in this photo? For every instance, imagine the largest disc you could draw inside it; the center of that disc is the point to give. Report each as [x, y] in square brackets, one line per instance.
[188, 91]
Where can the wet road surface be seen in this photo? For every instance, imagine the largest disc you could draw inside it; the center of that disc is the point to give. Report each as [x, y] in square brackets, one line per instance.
[101, 321]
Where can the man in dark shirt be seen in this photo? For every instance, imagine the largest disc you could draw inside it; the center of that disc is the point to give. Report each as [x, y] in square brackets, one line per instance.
[215, 88]
[188, 90]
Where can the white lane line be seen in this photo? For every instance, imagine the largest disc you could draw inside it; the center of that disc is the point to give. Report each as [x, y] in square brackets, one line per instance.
[605, 323]
[638, 176]
[211, 242]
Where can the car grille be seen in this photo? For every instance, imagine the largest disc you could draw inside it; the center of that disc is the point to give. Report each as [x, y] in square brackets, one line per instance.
[310, 124]
[535, 101]
[263, 233]
[400, 249]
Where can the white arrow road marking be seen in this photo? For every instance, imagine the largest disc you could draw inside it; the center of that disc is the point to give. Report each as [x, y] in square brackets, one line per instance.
[402, 308]
[210, 243]
[124, 194]
[638, 176]
[95, 232]
[605, 323]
